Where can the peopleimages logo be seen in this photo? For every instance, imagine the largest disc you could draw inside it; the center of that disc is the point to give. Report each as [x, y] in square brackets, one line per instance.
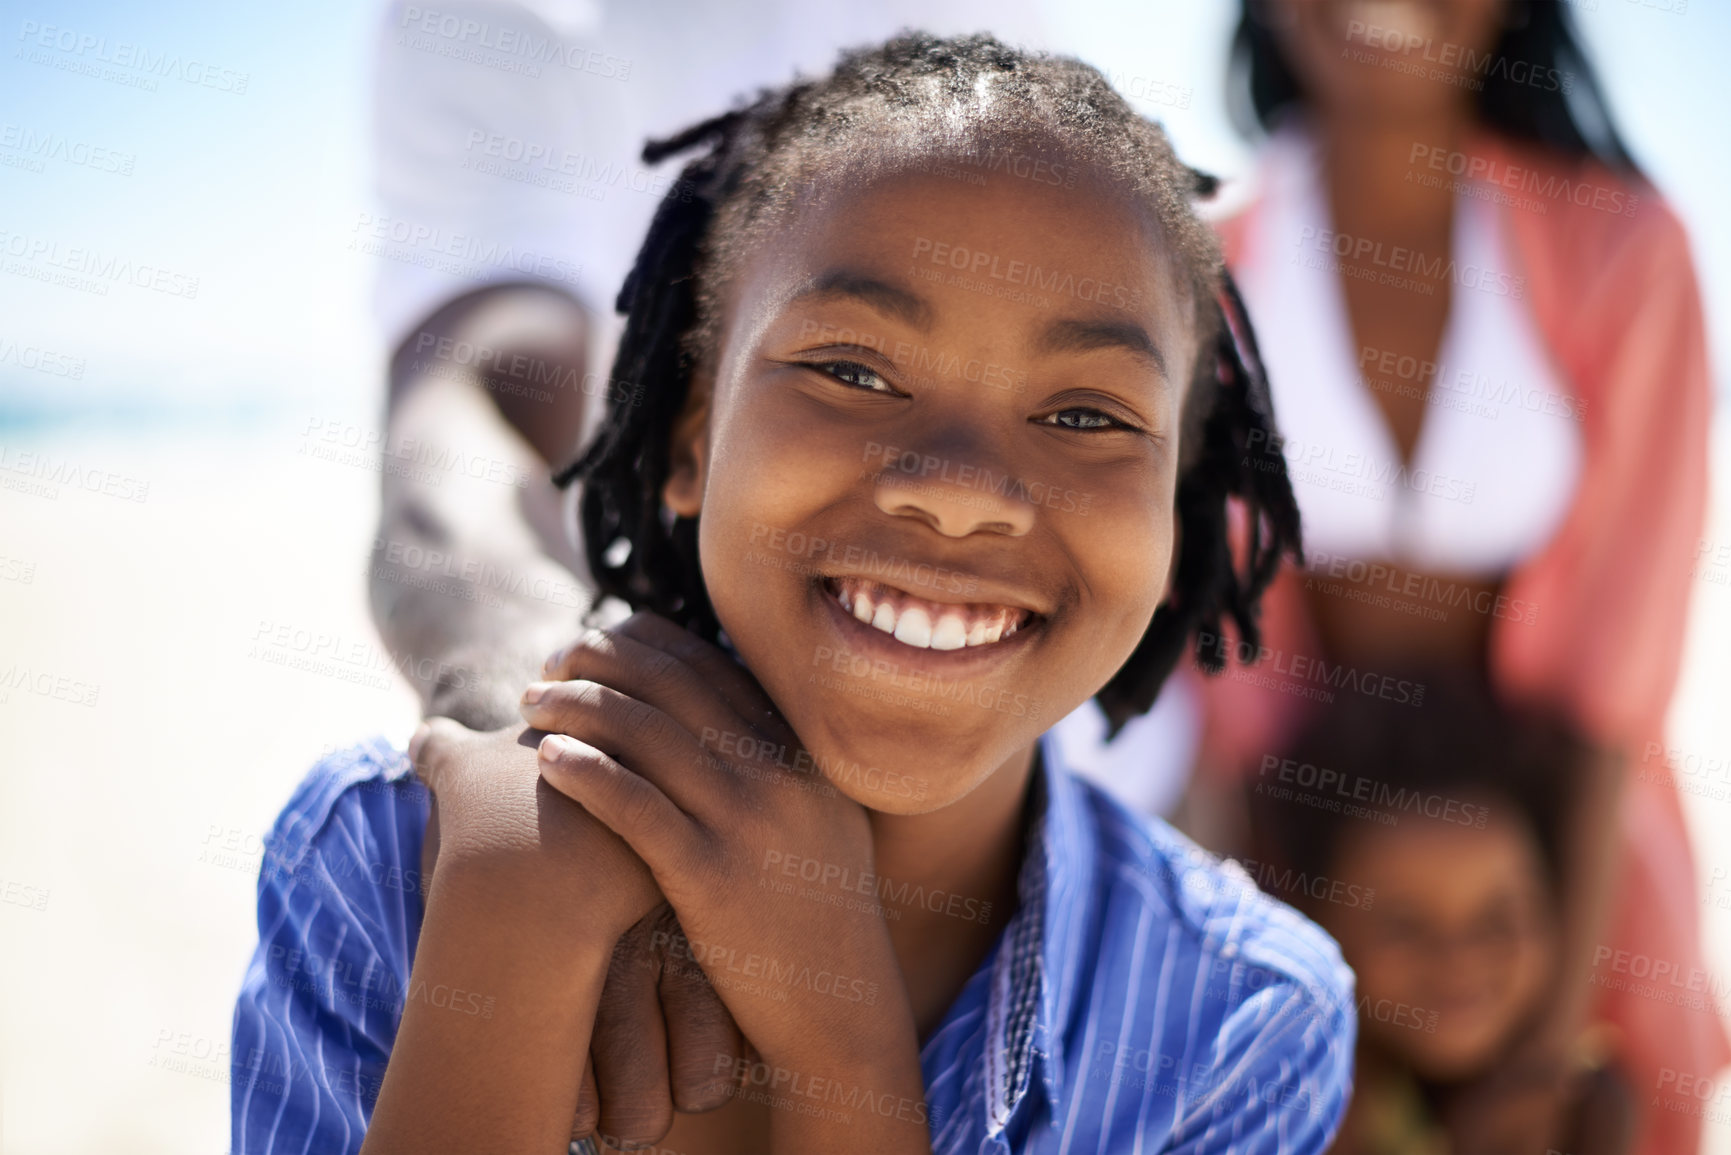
[1401, 267]
[89, 269]
[1357, 788]
[909, 469]
[1551, 186]
[85, 52]
[1446, 56]
[1301, 669]
[40, 146]
[466, 38]
[979, 263]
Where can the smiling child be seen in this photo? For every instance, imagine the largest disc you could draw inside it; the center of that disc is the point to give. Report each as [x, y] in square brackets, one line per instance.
[938, 398]
[1453, 853]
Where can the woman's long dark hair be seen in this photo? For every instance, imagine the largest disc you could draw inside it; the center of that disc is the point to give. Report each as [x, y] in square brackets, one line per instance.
[1572, 117]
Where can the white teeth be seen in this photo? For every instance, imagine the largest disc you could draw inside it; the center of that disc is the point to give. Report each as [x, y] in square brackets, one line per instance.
[926, 625]
[951, 632]
[914, 628]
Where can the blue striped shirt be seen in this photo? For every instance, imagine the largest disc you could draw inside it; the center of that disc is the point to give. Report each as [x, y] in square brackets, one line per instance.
[1145, 997]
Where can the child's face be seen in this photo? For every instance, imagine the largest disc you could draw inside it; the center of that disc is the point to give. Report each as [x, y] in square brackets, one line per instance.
[997, 450]
[1460, 926]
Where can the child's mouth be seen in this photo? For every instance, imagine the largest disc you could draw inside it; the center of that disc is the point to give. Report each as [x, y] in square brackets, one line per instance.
[924, 624]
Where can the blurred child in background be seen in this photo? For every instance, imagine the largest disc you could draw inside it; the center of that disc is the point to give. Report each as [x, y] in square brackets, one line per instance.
[1443, 827]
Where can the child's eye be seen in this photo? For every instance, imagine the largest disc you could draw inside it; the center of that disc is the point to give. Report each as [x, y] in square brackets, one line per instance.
[1084, 419]
[857, 375]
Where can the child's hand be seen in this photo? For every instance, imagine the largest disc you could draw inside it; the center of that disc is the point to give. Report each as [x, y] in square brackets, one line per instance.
[502, 832]
[637, 740]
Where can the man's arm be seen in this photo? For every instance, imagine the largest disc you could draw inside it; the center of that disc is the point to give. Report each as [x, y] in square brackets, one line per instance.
[473, 577]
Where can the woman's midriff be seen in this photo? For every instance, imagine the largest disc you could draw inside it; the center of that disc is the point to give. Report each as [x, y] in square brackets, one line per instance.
[1400, 618]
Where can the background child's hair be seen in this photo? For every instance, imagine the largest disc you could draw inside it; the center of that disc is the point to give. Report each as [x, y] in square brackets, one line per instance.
[921, 98]
[1460, 746]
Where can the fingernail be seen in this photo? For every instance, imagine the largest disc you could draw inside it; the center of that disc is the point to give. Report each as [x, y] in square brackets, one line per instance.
[552, 662]
[534, 692]
[554, 745]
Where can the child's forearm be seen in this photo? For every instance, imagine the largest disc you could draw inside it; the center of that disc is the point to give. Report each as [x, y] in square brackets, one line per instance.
[850, 1080]
[1592, 860]
[1591, 855]
[495, 1030]
[851, 1102]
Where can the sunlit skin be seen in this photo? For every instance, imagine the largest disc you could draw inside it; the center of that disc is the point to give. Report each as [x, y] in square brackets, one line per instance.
[1461, 925]
[780, 439]
[785, 440]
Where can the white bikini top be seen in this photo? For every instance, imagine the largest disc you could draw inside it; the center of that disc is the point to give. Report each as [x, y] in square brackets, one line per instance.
[1499, 452]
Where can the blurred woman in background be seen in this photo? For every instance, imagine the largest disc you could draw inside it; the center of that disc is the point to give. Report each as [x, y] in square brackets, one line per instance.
[1486, 348]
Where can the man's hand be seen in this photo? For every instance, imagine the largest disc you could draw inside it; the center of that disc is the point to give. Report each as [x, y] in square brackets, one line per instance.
[633, 1086]
[659, 1026]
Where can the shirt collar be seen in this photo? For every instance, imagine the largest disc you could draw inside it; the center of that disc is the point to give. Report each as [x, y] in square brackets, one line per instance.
[1034, 976]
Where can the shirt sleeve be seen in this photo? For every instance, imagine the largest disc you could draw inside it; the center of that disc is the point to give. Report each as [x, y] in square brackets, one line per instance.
[339, 910]
[1620, 306]
[504, 150]
[1278, 1079]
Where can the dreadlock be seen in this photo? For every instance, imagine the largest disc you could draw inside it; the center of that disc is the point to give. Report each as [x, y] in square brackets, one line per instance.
[927, 98]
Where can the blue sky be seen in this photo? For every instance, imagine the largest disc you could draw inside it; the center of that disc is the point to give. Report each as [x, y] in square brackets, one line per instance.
[255, 193]
[249, 192]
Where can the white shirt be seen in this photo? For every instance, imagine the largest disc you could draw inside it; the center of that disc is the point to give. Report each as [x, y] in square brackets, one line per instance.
[508, 131]
[1498, 456]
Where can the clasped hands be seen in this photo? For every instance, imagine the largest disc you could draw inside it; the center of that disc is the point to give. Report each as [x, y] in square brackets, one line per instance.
[615, 822]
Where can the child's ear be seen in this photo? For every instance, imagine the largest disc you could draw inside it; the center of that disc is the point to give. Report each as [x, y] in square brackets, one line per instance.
[688, 453]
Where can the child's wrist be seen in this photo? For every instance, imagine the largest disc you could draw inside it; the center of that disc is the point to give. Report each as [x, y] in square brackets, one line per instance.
[867, 1048]
[562, 924]
[867, 1097]
[543, 965]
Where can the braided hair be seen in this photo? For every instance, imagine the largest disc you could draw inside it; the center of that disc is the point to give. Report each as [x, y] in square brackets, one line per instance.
[924, 98]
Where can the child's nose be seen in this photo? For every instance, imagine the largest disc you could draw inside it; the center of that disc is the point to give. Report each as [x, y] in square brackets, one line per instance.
[956, 496]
